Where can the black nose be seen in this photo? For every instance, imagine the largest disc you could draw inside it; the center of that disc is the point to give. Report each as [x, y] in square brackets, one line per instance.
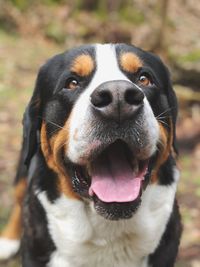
[118, 100]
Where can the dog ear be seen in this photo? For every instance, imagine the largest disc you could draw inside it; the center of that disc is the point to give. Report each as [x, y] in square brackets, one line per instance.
[32, 123]
[173, 103]
[168, 88]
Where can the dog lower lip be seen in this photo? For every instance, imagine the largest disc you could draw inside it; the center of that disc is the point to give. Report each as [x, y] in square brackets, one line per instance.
[116, 211]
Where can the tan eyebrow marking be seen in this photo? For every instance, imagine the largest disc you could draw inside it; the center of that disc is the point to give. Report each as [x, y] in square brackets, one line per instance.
[130, 62]
[83, 65]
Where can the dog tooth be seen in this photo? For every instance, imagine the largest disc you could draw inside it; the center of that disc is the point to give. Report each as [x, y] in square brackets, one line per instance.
[89, 169]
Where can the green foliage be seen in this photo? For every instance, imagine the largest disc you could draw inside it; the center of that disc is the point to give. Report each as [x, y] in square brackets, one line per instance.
[20, 4]
[193, 56]
[131, 14]
[24, 4]
[127, 15]
[55, 32]
[124, 10]
[11, 263]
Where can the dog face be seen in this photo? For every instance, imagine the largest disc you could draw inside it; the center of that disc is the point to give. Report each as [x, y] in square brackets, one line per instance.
[105, 117]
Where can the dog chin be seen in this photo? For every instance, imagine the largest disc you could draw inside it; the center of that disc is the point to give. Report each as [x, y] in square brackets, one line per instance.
[116, 211]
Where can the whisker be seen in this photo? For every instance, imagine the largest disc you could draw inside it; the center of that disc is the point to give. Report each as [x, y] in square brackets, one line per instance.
[168, 109]
[162, 117]
[163, 122]
[55, 124]
[62, 145]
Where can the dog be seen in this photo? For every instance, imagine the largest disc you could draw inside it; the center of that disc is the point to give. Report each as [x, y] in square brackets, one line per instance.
[97, 174]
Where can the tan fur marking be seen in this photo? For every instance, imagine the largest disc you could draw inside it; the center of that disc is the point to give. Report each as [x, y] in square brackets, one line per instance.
[130, 62]
[64, 186]
[20, 190]
[52, 150]
[83, 65]
[13, 228]
[165, 148]
[46, 149]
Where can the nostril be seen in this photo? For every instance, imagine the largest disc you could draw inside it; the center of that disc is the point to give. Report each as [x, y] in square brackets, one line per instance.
[101, 99]
[133, 97]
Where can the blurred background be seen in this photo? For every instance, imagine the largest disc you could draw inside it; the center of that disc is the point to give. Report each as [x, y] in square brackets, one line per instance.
[33, 31]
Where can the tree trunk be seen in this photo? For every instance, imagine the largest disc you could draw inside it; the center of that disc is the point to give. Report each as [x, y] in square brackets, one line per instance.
[160, 44]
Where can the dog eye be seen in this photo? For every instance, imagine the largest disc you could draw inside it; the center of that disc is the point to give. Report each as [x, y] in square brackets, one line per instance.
[145, 80]
[71, 84]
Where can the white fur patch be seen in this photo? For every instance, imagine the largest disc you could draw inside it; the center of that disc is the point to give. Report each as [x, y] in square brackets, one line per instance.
[85, 239]
[8, 248]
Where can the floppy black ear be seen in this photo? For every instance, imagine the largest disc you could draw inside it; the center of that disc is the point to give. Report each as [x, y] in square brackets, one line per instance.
[32, 123]
[173, 103]
[156, 62]
[45, 84]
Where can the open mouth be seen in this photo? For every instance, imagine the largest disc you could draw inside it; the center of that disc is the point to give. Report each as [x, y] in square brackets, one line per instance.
[113, 179]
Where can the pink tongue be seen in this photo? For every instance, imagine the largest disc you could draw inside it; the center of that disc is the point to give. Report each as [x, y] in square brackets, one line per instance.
[113, 179]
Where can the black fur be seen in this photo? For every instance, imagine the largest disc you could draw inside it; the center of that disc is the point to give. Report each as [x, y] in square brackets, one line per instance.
[166, 253]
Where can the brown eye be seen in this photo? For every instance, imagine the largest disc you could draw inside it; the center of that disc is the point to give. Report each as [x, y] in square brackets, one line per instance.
[72, 84]
[145, 80]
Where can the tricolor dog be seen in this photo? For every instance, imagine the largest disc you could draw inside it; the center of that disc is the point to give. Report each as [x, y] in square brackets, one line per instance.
[99, 149]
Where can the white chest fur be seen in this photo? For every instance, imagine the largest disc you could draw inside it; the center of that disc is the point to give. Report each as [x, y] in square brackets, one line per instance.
[85, 239]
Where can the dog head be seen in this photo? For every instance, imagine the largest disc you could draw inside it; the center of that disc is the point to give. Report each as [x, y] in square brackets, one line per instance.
[105, 118]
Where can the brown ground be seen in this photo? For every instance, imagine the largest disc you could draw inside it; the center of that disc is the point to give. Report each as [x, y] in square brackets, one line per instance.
[20, 58]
